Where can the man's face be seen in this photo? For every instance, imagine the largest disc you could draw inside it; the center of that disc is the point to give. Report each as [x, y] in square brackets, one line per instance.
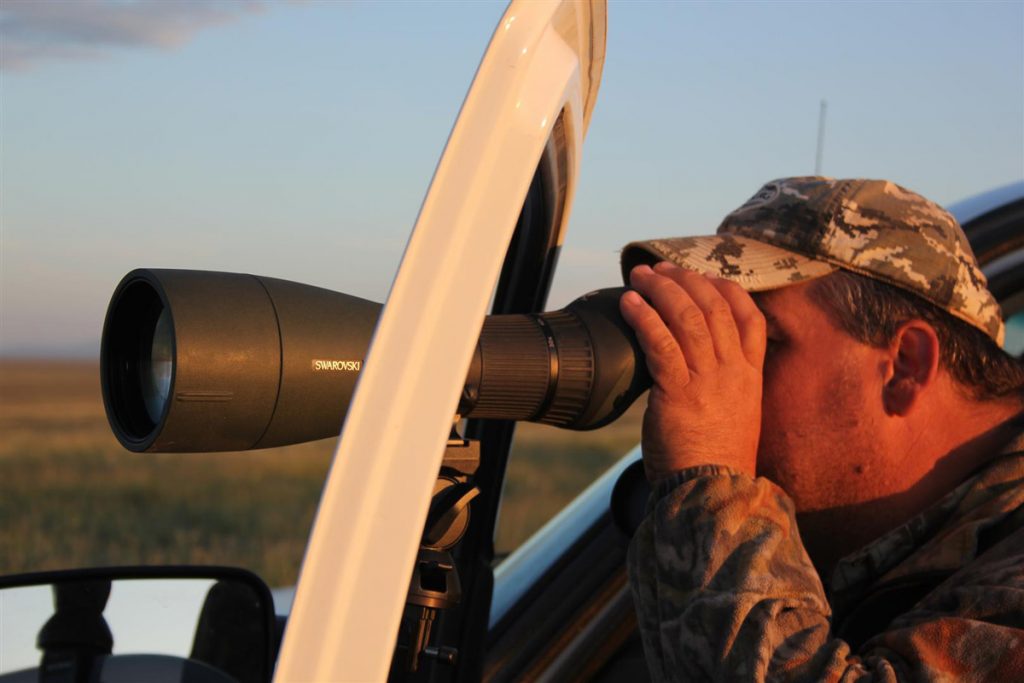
[822, 407]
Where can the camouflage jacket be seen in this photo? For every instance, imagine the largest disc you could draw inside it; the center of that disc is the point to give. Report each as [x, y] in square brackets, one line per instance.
[724, 590]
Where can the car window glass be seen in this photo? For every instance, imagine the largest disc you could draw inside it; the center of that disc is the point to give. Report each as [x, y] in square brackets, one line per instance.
[308, 162]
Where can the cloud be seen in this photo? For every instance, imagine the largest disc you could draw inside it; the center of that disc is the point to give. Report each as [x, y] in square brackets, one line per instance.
[34, 31]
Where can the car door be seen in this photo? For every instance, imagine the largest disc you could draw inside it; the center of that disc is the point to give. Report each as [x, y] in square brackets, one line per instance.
[521, 127]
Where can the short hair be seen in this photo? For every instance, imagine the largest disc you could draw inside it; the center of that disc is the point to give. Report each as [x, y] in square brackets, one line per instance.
[872, 311]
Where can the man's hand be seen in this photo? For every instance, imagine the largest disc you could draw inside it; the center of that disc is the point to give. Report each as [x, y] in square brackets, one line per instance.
[704, 340]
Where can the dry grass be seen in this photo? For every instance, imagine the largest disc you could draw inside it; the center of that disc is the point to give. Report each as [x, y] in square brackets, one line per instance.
[548, 467]
[71, 496]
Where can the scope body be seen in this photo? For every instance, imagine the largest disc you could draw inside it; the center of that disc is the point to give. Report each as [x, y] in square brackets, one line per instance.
[212, 361]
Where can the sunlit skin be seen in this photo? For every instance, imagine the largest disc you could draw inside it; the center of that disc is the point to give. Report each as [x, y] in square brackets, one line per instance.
[861, 438]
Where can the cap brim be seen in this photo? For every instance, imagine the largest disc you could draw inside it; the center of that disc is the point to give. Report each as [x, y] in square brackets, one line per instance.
[755, 266]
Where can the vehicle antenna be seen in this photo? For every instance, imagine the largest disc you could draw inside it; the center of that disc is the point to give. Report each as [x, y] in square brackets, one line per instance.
[821, 138]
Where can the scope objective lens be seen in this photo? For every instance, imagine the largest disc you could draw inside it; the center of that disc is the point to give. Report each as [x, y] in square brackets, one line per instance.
[156, 367]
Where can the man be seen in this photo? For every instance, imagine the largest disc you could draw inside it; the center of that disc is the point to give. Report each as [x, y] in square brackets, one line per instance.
[829, 362]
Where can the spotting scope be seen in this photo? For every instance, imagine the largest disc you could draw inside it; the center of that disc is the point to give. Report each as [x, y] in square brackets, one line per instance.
[210, 361]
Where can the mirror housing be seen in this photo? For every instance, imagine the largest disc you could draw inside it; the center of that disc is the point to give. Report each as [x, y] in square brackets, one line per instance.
[187, 624]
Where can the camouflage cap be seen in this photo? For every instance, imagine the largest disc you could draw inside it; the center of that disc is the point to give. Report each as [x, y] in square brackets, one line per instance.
[797, 229]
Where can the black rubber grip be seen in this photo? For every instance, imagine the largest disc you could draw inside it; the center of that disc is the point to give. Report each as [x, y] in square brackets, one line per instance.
[515, 359]
[575, 369]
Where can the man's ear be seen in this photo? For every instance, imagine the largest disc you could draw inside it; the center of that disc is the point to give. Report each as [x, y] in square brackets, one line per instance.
[914, 353]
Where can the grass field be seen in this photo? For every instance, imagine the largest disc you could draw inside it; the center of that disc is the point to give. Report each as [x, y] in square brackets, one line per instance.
[71, 496]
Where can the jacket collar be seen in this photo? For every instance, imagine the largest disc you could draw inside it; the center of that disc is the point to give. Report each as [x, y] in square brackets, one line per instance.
[944, 537]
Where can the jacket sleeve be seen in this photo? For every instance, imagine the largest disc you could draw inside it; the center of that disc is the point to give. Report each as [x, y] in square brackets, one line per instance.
[724, 591]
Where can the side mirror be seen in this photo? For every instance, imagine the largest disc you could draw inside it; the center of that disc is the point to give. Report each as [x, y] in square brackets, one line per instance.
[180, 624]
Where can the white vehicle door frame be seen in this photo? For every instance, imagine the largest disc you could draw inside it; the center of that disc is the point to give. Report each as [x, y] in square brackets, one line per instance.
[355, 574]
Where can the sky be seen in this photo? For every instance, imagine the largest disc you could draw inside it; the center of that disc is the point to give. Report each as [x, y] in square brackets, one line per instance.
[297, 139]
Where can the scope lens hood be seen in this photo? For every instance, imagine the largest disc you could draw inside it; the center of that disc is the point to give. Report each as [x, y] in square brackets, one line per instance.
[190, 361]
[210, 361]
